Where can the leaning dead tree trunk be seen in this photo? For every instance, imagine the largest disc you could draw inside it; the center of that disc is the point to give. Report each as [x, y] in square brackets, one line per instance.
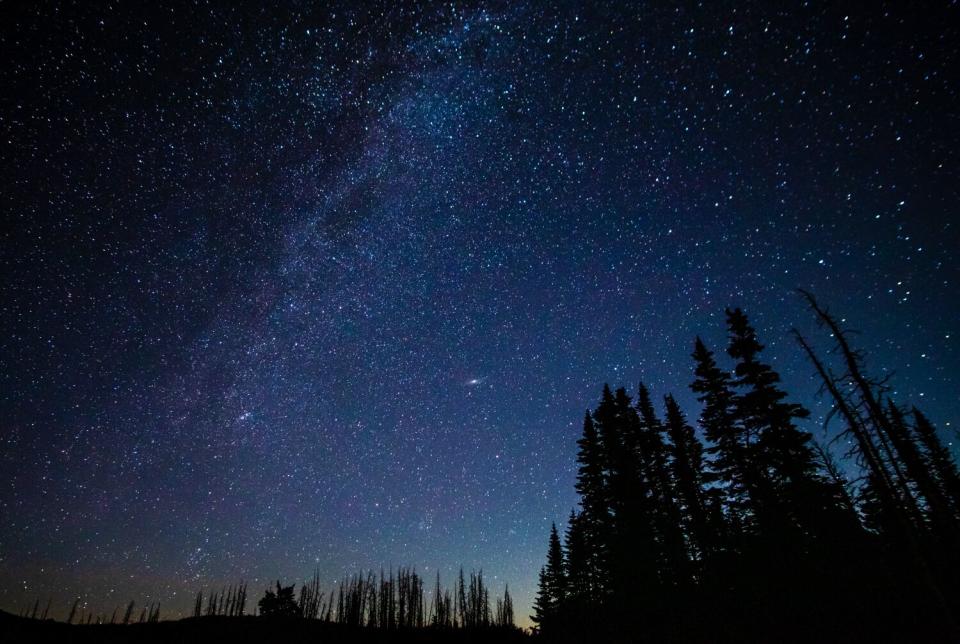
[869, 400]
[855, 426]
[893, 484]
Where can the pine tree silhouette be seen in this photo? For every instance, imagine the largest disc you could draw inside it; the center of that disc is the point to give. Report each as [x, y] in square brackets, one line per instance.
[783, 453]
[577, 563]
[730, 468]
[942, 464]
[543, 609]
[686, 467]
[674, 563]
[919, 471]
[556, 568]
[592, 487]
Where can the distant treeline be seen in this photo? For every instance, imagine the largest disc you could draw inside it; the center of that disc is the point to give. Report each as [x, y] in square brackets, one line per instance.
[748, 529]
[393, 600]
[148, 614]
[390, 601]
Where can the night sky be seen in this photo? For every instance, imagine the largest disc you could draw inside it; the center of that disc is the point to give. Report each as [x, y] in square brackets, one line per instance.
[331, 288]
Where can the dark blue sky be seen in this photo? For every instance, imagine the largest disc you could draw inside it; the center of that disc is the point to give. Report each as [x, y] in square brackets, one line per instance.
[332, 287]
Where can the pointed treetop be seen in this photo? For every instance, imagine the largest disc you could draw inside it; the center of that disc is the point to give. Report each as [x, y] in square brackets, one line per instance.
[607, 393]
[743, 337]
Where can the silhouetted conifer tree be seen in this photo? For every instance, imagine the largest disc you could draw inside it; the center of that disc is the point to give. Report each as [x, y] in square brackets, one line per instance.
[631, 514]
[942, 464]
[783, 453]
[730, 467]
[664, 511]
[595, 517]
[919, 471]
[542, 604]
[686, 465]
[556, 570]
[577, 560]
[552, 588]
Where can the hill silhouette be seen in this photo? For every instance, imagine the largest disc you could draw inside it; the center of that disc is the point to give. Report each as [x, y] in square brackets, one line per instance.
[218, 628]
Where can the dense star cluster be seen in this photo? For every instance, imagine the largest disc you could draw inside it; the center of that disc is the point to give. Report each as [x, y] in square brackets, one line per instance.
[330, 286]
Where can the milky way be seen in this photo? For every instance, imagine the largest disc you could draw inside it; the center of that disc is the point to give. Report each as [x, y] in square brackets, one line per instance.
[331, 288]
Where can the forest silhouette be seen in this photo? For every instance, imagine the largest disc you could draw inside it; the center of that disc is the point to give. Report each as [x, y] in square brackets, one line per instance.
[756, 532]
[366, 607]
[738, 527]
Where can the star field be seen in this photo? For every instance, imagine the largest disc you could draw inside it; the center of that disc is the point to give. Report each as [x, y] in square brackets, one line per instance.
[329, 286]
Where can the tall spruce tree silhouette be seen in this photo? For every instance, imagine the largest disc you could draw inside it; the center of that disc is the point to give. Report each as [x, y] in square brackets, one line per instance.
[552, 589]
[674, 564]
[556, 569]
[802, 524]
[686, 469]
[942, 464]
[784, 451]
[577, 560]
[919, 470]
[630, 495]
[595, 515]
[730, 467]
